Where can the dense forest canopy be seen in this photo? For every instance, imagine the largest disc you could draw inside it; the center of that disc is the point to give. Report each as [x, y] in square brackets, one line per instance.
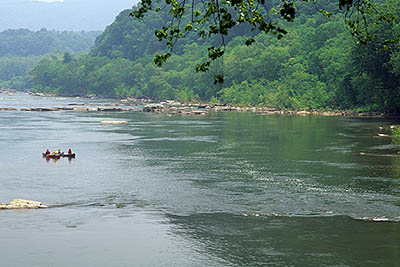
[316, 65]
[208, 18]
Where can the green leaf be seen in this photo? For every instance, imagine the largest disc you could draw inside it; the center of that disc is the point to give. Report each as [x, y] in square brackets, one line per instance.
[188, 27]
[159, 60]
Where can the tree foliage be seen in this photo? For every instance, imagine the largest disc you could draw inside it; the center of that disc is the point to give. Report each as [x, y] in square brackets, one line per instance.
[218, 17]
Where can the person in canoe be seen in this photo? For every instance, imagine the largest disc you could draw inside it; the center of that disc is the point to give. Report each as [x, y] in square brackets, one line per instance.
[69, 154]
[47, 153]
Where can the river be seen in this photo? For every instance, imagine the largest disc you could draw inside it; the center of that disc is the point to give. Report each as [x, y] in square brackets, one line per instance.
[225, 189]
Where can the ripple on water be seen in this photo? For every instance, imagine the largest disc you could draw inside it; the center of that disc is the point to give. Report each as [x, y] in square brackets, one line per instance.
[209, 139]
[325, 214]
[343, 165]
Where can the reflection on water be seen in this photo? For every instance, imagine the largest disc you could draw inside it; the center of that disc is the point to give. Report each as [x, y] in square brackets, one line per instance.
[55, 160]
[228, 189]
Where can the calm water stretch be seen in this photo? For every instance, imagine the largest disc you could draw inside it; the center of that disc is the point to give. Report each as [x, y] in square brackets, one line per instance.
[226, 189]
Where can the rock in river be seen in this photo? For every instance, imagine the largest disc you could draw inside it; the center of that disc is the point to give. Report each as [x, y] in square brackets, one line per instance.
[22, 204]
[111, 109]
[80, 109]
[39, 109]
[113, 122]
[153, 108]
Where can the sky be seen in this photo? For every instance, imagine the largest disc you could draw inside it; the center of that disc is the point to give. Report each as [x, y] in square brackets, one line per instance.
[70, 15]
[47, 1]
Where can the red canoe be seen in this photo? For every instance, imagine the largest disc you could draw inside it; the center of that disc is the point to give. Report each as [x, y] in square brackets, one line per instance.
[51, 156]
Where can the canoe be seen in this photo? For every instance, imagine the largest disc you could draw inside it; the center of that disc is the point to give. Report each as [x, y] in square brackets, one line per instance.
[68, 155]
[50, 156]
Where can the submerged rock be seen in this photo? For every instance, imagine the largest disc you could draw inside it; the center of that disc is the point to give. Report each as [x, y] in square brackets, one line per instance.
[113, 122]
[199, 112]
[383, 135]
[66, 108]
[22, 204]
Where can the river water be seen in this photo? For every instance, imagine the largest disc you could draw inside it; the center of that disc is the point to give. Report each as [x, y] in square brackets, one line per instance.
[226, 189]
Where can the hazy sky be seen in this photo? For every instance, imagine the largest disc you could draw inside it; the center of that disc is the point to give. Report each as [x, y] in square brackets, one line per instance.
[48, 1]
[60, 14]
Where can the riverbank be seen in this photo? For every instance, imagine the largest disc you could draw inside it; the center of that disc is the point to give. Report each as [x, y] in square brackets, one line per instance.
[173, 107]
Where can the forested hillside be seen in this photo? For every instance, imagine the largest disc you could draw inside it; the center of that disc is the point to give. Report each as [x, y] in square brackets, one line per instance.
[22, 49]
[317, 65]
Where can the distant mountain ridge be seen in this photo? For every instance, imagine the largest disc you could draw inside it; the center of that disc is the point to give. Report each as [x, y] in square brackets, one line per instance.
[70, 15]
[24, 42]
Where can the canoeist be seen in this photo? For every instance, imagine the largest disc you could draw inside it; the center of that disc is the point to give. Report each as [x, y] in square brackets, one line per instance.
[47, 152]
[55, 152]
[69, 151]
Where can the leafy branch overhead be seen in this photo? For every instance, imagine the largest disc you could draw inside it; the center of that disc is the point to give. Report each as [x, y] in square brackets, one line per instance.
[209, 18]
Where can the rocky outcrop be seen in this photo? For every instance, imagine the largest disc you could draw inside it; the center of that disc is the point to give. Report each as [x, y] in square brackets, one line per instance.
[153, 108]
[199, 112]
[71, 108]
[165, 107]
[8, 91]
[22, 204]
[80, 109]
[173, 107]
[40, 94]
[66, 108]
[111, 109]
[39, 109]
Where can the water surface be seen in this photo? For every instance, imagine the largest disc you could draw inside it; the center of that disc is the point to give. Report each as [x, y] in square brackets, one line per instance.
[226, 189]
